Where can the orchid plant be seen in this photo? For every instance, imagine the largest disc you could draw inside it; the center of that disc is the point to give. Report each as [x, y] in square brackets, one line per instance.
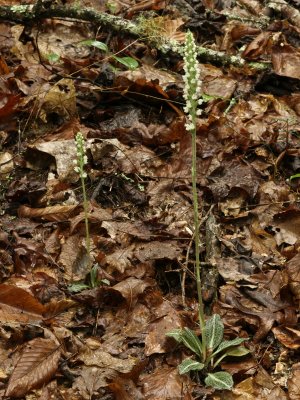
[210, 349]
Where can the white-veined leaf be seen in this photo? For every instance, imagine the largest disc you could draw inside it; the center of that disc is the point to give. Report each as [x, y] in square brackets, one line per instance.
[239, 351]
[229, 343]
[189, 365]
[175, 334]
[191, 341]
[214, 330]
[219, 380]
[77, 287]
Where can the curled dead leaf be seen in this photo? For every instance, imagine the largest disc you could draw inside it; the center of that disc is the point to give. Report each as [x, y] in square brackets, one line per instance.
[17, 305]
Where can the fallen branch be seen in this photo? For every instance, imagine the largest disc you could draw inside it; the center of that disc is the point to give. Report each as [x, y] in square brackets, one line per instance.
[30, 14]
[286, 10]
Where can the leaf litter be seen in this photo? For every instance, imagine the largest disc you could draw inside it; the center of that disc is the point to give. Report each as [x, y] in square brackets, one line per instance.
[68, 334]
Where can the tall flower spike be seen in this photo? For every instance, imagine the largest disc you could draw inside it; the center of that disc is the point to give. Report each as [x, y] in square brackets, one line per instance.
[192, 96]
[192, 82]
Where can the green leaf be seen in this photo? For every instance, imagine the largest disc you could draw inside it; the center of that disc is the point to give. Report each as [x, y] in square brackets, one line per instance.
[94, 276]
[129, 62]
[237, 351]
[294, 177]
[219, 380]
[207, 97]
[214, 330]
[229, 343]
[188, 338]
[189, 365]
[112, 6]
[94, 43]
[191, 341]
[77, 287]
[113, 68]
[219, 360]
[53, 57]
[175, 334]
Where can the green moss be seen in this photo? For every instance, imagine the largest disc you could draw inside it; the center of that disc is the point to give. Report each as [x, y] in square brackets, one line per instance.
[19, 8]
[152, 27]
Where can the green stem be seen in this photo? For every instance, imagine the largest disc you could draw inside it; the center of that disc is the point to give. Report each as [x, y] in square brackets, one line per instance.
[86, 220]
[197, 249]
[219, 360]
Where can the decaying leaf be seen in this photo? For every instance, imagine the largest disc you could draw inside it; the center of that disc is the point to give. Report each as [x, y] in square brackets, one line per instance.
[293, 382]
[125, 389]
[293, 272]
[60, 99]
[288, 336]
[164, 384]
[286, 60]
[35, 367]
[103, 359]
[64, 152]
[17, 305]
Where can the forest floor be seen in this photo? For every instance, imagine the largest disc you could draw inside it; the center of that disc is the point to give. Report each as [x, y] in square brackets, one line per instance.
[69, 332]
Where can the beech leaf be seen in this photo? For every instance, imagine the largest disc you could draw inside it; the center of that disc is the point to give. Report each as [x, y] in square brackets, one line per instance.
[36, 366]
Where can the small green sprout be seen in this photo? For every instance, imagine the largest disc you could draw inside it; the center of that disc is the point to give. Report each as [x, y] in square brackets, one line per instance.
[296, 176]
[112, 7]
[53, 58]
[91, 282]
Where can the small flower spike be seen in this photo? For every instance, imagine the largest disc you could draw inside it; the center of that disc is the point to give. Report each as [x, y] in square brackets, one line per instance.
[192, 82]
[81, 159]
[79, 163]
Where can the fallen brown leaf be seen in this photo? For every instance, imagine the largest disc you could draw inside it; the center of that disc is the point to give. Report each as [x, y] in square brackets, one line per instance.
[36, 366]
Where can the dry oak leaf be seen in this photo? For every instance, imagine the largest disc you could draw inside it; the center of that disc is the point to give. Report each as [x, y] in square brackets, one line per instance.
[36, 366]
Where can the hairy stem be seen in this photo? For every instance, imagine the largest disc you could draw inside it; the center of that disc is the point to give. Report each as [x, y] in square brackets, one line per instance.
[197, 247]
[86, 220]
